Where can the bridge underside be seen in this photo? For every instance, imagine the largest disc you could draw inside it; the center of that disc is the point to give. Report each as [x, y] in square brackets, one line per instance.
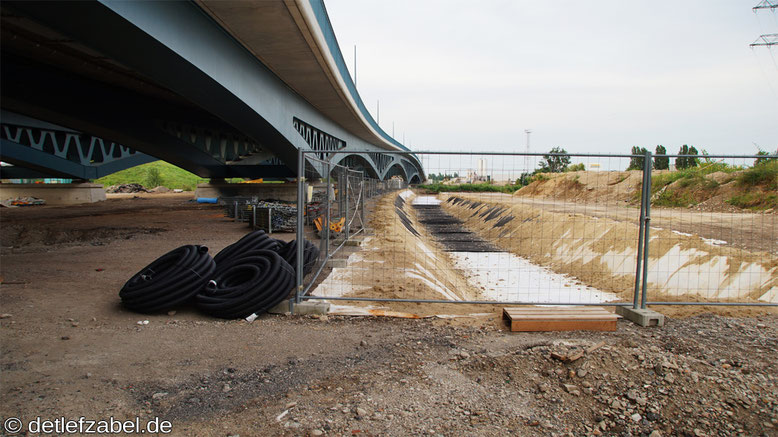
[128, 82]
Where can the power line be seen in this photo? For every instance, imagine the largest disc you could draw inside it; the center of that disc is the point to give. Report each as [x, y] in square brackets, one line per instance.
[766, 4]
[767, 40]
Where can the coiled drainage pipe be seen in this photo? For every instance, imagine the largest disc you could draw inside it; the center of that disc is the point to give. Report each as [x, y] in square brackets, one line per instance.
[257, 240]
[170, 280]
[247, 283]
[310, 255]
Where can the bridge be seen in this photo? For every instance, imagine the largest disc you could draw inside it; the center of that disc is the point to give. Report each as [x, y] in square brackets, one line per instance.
[220, 88]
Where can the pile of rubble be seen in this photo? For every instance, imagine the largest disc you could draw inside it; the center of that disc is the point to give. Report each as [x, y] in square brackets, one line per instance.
[126, 188]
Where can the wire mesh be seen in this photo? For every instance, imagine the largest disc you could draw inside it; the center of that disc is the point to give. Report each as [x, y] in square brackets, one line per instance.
[713, 235]
[564, 238]
[553, 229]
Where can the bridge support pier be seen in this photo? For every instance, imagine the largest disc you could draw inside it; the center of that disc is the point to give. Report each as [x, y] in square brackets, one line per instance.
[286, 191]
[55, 194]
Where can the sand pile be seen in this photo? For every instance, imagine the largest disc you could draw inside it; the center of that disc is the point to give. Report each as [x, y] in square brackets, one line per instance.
[401, 261]
[606, 186]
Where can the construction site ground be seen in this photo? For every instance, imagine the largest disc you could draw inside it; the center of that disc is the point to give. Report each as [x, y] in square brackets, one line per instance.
[68, 349]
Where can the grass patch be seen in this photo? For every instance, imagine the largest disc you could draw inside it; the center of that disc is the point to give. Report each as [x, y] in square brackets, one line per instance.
[757, 201]
[764, 174]
[153, 174]
[675, 199]
[692, 177]
[484, 187]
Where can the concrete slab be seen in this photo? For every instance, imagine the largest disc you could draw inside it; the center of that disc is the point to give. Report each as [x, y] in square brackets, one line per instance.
[283, 307]
[300, 309]
[640, 316]
[310, 307]
[55, 194]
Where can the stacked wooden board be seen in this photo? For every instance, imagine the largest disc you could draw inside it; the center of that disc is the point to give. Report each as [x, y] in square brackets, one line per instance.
[560, 319]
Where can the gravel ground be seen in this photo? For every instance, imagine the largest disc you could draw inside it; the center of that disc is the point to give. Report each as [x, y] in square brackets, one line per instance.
[69, 350]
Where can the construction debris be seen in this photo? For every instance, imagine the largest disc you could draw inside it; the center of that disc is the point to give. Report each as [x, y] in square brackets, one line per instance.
[126, 188]
[22, 201]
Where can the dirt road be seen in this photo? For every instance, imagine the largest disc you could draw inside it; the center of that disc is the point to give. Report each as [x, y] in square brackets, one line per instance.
[69, 349]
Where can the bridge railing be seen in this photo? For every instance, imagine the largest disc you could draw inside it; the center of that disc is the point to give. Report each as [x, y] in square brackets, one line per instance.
[555, 229]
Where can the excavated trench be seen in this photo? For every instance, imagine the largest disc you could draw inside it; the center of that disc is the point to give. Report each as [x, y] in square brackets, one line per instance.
[449, 231]
[499, 274]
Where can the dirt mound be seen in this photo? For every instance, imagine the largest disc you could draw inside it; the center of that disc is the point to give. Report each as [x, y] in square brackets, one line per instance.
[606, 186]
[718, 191]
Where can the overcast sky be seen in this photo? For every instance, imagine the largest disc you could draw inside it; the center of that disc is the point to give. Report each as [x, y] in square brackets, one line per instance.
[587, 76]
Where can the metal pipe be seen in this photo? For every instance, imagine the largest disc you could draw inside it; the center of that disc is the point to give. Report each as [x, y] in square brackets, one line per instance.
[345, 191]
[589, 155]
[719, 304]
[646, 229]
[300, 224]
[362, 197]
[328, 214]
[487, 302]
[635, 301]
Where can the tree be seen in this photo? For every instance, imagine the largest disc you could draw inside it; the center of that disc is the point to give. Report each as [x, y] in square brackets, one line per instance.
[636, 163]
[765, 156]
[683, 162]
[661, 161]
[555, 162]
[153, 177]
[576, 167]
[693, 162]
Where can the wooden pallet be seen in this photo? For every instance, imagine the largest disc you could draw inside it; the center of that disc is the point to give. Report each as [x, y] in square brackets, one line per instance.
[560, 319]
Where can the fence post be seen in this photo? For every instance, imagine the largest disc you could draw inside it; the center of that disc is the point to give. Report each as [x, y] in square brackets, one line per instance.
[345, 191]
[362, 198]
[327, 214]
[341, 207]
[646, 227]
[300, 234]
[644, 197]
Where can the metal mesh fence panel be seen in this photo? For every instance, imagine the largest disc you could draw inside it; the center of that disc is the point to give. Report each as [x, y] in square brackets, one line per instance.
[484, 228]
[551, 229]
[713, 234]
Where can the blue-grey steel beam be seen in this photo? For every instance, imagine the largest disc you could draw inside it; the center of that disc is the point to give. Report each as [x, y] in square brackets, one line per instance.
[173, 46]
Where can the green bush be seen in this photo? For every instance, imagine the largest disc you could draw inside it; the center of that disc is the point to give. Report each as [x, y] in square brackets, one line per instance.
[692, 176]
[764, 174]
[675, 199]
[153, 177]
[754, 201]
[483, 187]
